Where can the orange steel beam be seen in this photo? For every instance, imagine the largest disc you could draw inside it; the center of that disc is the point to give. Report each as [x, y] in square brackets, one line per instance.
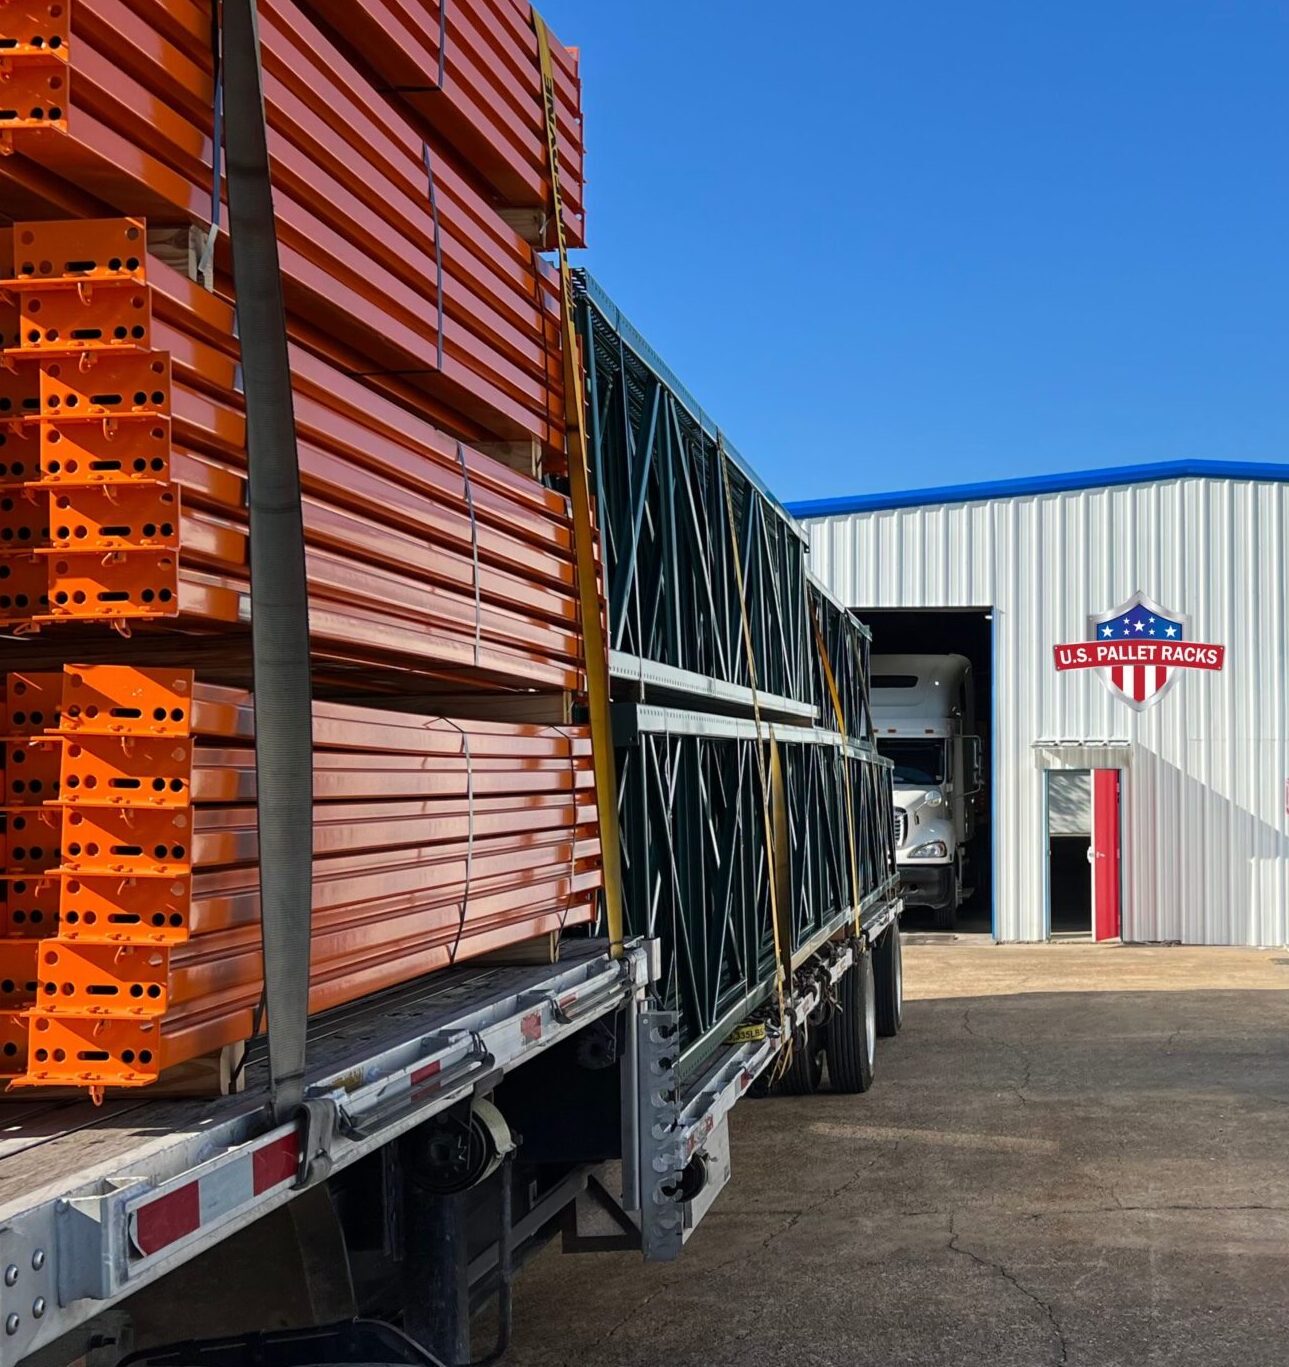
[96, 1053]
[358, 568]
[506, 61]
[333, 401]
[419, 321]
[347, 266]
[488, 105]
[434, 839]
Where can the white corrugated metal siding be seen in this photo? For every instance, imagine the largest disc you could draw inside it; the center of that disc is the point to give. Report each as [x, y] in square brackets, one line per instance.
[1206, 838]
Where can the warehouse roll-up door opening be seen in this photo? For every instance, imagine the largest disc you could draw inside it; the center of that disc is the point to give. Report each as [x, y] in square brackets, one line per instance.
[953, 631]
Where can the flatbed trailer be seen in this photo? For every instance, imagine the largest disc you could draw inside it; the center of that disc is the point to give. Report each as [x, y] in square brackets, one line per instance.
[454, 1124]
[100, 1206]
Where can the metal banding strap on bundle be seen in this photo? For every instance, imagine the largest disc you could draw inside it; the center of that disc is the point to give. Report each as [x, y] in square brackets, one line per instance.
[474, 549]
[572, 831]
[839, 712]
[588, 590]
[443, 61]
[279, 586]
[469, 848]
[207, 261]
[438, 253]
[771, 783]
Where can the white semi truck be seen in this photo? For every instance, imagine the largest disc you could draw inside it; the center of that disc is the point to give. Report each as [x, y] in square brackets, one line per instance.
[924, 715]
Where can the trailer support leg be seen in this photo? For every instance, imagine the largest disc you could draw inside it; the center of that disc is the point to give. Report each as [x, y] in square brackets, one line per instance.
[436, 1291]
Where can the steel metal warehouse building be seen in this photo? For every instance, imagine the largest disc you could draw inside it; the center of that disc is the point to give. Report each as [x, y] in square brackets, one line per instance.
[1172, 743]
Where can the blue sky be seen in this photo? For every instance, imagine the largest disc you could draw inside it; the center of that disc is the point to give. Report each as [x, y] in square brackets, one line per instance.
[927, 241]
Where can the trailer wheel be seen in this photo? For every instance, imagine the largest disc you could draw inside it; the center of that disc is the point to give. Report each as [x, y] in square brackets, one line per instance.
[888, 973]
[851, 1039]
[805, 1074]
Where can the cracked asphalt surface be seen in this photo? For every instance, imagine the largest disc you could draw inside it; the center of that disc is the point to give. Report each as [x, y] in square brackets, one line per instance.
[1072, 1154]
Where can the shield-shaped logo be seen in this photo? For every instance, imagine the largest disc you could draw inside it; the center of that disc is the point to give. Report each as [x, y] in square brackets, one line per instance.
[1139, 650]
[1139, 619]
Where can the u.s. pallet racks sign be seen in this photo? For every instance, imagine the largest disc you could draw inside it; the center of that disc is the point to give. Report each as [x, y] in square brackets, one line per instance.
[1139, 651]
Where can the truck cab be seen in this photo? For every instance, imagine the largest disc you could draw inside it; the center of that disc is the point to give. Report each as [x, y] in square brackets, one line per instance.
[924, 717]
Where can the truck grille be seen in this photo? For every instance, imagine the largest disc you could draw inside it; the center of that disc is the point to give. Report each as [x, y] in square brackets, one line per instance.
[901, 825]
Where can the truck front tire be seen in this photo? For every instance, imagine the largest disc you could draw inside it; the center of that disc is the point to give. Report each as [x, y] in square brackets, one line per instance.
[850, 1041]
[946, 916]
[888, 973]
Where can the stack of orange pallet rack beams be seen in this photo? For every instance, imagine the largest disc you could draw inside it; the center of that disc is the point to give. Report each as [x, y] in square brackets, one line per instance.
[422, 325]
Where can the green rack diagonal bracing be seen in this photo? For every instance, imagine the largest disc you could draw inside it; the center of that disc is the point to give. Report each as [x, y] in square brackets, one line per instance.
[755, 813]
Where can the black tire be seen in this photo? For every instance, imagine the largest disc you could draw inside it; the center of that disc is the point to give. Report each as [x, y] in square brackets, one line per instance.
[888, 973]
[850, 1040]
[805, 1074]
[946, 918]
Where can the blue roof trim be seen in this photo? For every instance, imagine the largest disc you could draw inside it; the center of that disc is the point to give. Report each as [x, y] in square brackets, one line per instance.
[1042, 484]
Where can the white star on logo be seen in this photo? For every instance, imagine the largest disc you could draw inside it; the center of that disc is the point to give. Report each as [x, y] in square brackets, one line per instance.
[1107, 631]
[1139, 625]
[1171, 631]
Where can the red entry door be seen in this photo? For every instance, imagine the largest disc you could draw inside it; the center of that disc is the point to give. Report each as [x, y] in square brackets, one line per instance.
[1105, 854]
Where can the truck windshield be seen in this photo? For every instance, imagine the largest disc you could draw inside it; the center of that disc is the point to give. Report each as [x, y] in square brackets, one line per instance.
[916, 761]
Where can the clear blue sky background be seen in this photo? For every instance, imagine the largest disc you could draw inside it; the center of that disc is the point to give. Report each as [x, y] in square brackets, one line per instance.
[923, 241]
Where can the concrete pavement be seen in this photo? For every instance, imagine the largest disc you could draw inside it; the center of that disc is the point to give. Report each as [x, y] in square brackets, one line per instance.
[1073, 1154]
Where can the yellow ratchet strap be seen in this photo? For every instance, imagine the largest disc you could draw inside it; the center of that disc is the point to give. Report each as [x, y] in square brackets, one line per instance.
[833, 693]
[588, 586]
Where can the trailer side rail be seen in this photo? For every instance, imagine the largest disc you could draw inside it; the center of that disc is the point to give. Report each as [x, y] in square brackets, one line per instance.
[69, 1255]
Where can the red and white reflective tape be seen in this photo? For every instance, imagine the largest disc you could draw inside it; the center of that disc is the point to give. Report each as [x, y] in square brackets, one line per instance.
[239, 1180]
[165, 1219]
